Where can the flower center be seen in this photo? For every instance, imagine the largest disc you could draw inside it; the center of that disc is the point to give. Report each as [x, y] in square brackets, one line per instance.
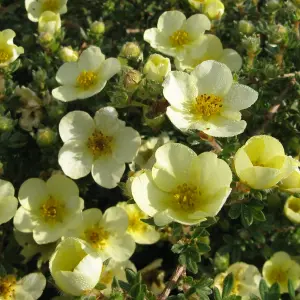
[52, 211]
[185, 196]
[7, 287]
[97, 237]
[295, 205]
[134, 222]
[179, 38]
[100, 144]
[51, 5]
[207, 105]
[278, 276]
[86, 79]
[4, 56]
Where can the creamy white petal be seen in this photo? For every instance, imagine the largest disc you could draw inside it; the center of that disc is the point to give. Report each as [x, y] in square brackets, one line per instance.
[91, 59]
[23, 221]
[65, 93]
[106, 120]
[33, 284]
[6, 188]
[91, 217]
[147, 196]
[8, 208]
[170, 21]
[162, 218]
[158, 40]
[184, 218]
[222, 127]
[67, 73]
[213, 78]
[196, 25]
[183, 121]
[107, 172]
[75, 159]
[115, 219]
[121, 249]
[76, 125]
[231, 59]
[33, 192]
[147, 237]
[97, 88]
[48, 233]
[240, 97]
[126, 144]
[34, 9]
[179, 89]
[109, 68]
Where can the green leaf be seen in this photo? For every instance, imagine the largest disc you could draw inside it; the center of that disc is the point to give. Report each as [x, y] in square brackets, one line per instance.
[217, 294]
[254, 297]
[274, 292]
[130, 276]
[178, 248]
[2, 271]
[235, 211]
[291, 290]
[203, 247]
[228, 285]
[258, 215]
[115, 283]
[263, 289]
[100, 286]
[198, 232]
[246, 215]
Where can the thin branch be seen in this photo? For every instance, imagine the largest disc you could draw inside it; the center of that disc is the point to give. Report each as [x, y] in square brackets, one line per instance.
[172, 282]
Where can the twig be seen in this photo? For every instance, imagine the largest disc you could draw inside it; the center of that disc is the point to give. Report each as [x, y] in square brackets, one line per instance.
[172, 282]
[211, 140]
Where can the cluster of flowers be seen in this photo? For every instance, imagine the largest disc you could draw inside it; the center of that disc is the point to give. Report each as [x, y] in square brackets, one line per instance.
[174, 183]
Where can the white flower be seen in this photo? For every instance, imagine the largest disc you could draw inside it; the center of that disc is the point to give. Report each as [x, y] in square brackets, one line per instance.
[101, 145]
[207, 100]
[209, 48]
[106, 233]
[75, 267]
[175, 35]
[30, 287]
[8, 202]
[48, 209]
[9, 52]
[157, 67]
[182, 186]
[141, 232]
[246, 280]
[67, 54]
[49, 22]
[36, 7]
[114, 269]
[85, 78]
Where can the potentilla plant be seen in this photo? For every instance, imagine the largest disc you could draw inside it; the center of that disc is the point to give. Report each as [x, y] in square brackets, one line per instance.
[149, 150]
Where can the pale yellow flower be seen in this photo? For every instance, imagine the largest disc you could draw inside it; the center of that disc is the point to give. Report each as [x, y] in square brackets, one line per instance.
[9, 52]
[35, 8]
[157, 67]
[182, 186]
[67, 54]
[261, 163]
[48, 209]
[291, 183]
[292, 209]
[30, 287]
[280, 268]
[197, 4]
[75, 267]
[175, 35]
[214, 9]
[246, 280]
[106, 233]
[141, 232]
[8, 201]
[49, 22]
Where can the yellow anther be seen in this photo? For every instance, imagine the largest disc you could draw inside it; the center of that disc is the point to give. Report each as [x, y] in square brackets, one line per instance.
[7, 287]
[207, 105]
[52, 211]
[100, 144]
[186, 196]
[86, 79]
[4, 56]
[97, 237]
[179, 38]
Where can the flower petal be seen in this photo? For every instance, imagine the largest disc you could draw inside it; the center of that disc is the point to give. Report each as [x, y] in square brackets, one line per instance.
[213, 78]
[170, 21]
[231, 59]
[196, 25]
[179, 89]
[34, 9]
[8, 208]
[75, 159]
[240, 97]
[46, 233]
[76, 125]
[106, 120]
[181, 120]
[116, 220]
[23, 221]
[91, 59]
[6, 188]
[109, 68]
[107, 172]
[121, 249]
[67, 73]
[65, 93]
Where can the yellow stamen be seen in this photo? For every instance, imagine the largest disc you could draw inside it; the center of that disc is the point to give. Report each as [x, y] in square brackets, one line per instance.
[294, 205]
[97, 237]
[186, 196]
[7, 287]
[135, 224]
[86, 79]
[100, 144]
[207, 105]
[50, 5]
[179, 38]
[4, 56]
[279, 276]
[52, 211]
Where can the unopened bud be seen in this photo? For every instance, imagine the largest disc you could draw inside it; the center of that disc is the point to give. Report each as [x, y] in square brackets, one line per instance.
[97, 27]
[214, 9]
[221, 261]
[6, 124]
[67, 54]
[46, 38]
[131, 80]
[278, 34]
[272, 5]
[45, 137]
[246, 27]
[251, 44]
[131, 50]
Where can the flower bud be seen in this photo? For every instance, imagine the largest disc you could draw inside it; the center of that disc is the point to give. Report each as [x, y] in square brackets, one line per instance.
[252, 44]
[45, 38]
[49, 22]
[131, 50]
[221, 261]
[6, 124]
[246, 27]
[214, 9]
[46, 137]
[157, 67]
[292, 209]
[67, 54]
[97, 27]
[278, 34]
[272, 5]
[131, 80]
